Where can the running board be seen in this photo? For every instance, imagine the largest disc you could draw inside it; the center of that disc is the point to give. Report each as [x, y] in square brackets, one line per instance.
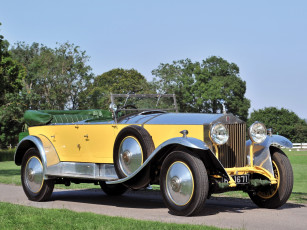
[91, 171]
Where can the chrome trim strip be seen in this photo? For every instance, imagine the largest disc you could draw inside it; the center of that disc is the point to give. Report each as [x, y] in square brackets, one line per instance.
[188, 142]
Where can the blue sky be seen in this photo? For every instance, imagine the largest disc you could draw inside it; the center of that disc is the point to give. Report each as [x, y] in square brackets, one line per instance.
[266, 39]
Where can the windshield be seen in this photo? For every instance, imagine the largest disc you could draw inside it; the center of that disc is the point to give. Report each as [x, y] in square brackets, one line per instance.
[137, 103]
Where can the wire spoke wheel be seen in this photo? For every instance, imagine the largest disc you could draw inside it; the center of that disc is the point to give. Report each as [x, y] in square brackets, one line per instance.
[269, 193]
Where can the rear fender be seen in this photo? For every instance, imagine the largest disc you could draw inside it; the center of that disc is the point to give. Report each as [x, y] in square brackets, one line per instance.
[45, 148]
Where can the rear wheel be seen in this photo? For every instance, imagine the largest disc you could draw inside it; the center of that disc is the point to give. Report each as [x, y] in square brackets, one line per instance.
[113, 189]
[184, 183]
[276, 195]
[32, 177]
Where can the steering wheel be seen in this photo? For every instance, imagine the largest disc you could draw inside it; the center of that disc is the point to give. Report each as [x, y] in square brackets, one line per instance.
[119, 111]
[127, 106]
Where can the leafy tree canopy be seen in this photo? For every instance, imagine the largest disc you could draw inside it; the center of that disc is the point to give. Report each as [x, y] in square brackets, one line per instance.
[11, 72]
[282, 121]
[55, 77]
[38, 77]
[116, 81]
[202, 86]
[11, 78]
[177, 78]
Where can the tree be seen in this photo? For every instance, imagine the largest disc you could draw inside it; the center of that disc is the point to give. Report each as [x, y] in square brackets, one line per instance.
[282, 121]
[219, 80]
[55, 77]
[177, 78]
[202, 87]
[11, 77]
[116, 81]
[38, 77]
[11, 120]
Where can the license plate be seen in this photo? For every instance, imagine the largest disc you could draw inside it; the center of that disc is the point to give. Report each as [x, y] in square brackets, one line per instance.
[239, 179]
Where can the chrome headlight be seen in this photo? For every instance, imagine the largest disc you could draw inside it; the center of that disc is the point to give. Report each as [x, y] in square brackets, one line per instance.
[219, 134]
[257, 132]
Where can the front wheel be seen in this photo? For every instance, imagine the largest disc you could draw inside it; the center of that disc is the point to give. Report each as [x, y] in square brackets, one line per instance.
[184, 183]
[34, 185]
[275, 196]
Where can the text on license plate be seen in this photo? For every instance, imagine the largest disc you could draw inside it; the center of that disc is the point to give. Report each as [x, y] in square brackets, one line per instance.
[239, 179]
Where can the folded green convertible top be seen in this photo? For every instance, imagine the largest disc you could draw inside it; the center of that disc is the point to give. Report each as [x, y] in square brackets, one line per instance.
[44, 117]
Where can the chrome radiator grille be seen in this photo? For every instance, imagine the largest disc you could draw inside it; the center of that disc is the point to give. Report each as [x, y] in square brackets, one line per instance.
[233, 154]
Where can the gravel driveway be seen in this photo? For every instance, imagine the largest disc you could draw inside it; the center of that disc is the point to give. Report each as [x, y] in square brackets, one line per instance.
[148, 205]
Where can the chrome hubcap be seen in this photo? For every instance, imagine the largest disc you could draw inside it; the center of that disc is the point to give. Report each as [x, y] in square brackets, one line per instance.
[31, 175]
[175, 183]
[130, 155]
[34, 174]
[127, 157]
[179, 183]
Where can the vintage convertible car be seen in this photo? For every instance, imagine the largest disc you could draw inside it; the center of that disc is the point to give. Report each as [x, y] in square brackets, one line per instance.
[190, 156]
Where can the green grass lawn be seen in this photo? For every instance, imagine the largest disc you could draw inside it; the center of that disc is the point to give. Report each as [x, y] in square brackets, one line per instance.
[10, 174]
[22, 217]
[298, 160]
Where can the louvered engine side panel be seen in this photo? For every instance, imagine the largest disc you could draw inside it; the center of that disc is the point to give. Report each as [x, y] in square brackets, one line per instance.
[233, 153]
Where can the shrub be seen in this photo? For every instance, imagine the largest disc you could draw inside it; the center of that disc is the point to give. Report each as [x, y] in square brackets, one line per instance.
[7, 155]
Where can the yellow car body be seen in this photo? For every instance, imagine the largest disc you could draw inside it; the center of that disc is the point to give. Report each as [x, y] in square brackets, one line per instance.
[94, 142]
[179, 151]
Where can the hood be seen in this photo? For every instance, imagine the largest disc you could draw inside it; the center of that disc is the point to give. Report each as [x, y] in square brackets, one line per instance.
[179, 119]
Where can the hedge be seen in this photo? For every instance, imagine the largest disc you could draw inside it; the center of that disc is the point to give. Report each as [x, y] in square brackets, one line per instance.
[7, 155]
